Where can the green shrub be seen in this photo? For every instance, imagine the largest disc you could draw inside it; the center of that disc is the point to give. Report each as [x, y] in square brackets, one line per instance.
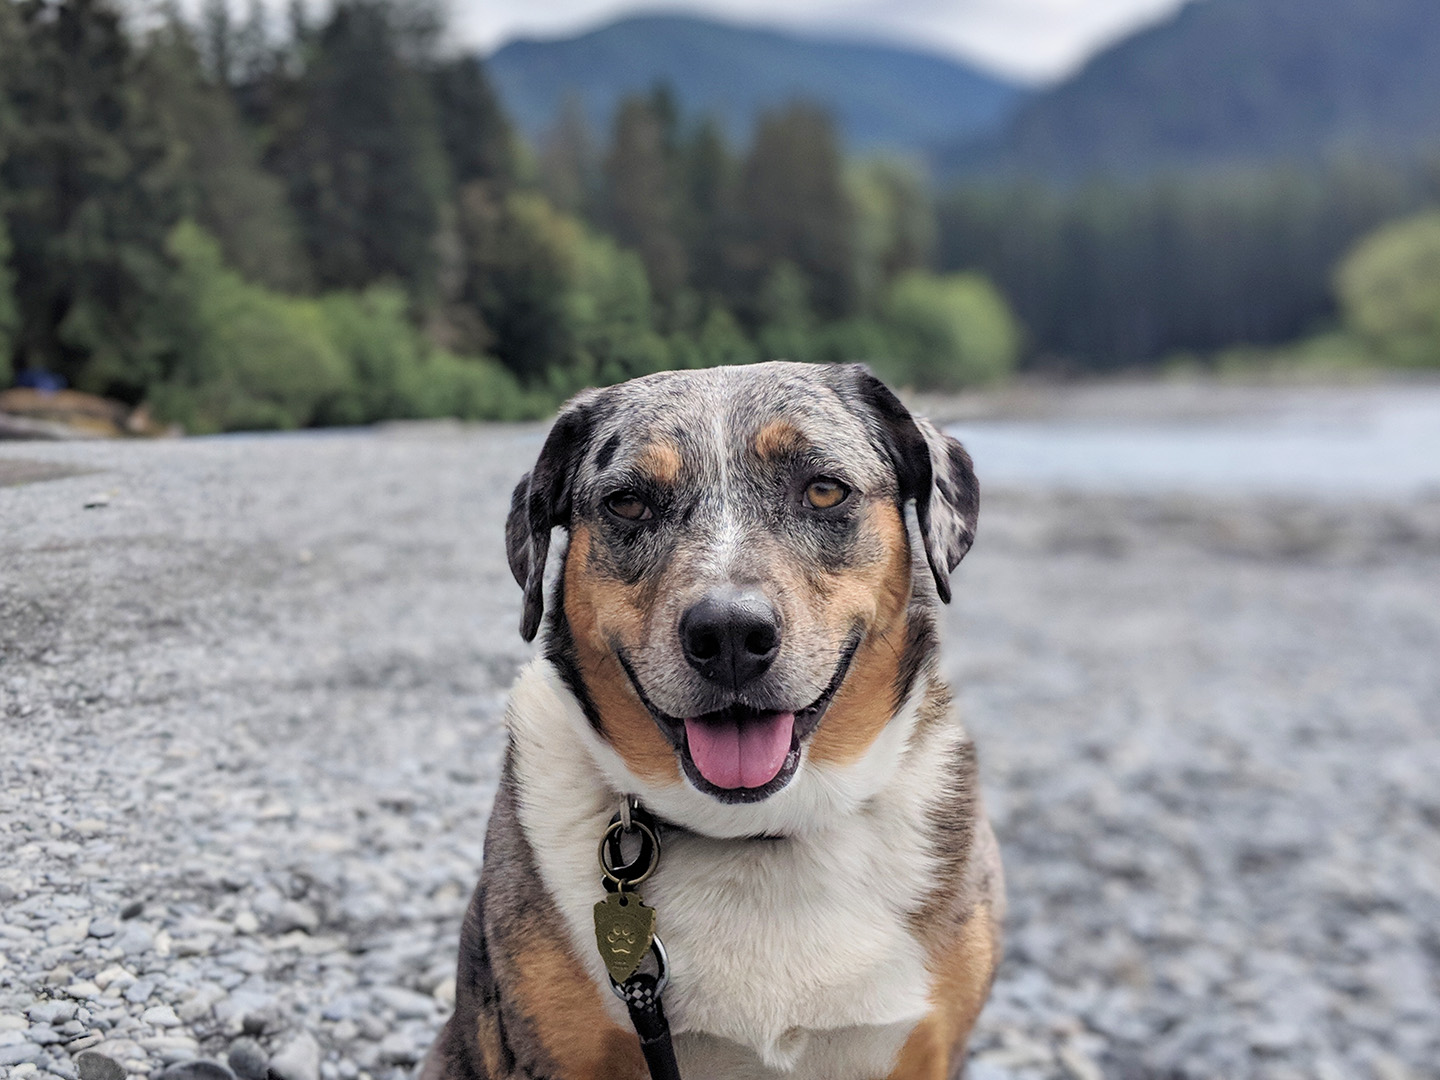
[239, 356]
[394, 374]
[1389, 290]
[610, 314]
[867, 341]
[948, 332]
[720, 340]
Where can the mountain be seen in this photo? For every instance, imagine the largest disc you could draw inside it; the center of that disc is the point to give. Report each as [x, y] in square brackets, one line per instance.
[1234, 82]
[882, 96]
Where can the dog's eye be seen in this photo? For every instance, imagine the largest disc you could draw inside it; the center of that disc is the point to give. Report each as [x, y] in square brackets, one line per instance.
[824, 493]
[628, 505]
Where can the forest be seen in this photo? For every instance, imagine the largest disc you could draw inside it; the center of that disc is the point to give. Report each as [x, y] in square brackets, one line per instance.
[245, 227]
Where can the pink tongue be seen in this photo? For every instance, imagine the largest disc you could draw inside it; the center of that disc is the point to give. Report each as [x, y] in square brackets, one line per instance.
[731, 754]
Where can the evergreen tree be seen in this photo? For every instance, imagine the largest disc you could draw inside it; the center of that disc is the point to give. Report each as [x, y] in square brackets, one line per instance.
[569, 174]
[640, 192]
[894, 225]
[363, 157]
[216, 165]
[89, 205]
[473, 128]
[795, 207]
[519, 257]
[9, 310]
[1111, 274]
[12, 56]
[708, 213]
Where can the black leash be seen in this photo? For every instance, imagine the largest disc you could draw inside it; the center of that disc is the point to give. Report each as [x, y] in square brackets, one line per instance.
[625, 934]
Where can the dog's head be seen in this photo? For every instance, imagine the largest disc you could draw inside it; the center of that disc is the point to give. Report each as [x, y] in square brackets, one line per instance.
[740, 603]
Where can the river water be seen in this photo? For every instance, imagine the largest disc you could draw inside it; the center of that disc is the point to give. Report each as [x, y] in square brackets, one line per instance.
[1380, 442]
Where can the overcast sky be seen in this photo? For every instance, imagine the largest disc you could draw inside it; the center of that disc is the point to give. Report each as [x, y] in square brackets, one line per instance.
[1033, 39]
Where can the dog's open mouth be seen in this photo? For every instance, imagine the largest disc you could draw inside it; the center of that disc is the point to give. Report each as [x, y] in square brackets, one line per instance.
[740, 754]
[740, 747]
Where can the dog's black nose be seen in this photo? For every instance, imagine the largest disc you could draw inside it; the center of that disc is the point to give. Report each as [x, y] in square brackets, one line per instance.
[731, 637]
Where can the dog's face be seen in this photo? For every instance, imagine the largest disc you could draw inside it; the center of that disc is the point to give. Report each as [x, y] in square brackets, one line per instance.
[739, 598]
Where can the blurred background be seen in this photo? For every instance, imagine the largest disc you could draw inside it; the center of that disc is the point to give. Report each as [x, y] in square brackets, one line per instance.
[1170, 270]
[264, 216]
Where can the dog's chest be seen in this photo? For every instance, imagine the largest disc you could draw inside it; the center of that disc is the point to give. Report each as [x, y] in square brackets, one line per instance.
[794, 957]
[799, 951]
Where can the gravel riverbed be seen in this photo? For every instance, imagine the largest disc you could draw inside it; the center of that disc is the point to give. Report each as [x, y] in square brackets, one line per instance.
[250, 703]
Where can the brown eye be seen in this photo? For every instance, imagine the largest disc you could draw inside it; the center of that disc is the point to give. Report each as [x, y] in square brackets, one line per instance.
[628, 505]
[824, 493]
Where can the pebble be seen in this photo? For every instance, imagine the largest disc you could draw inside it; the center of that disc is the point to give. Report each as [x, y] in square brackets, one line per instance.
[135, 939]
[93, 1065]
[199, 1069]
[397, 1048]
[69, 932]
[139, 991]
[298, 1059]
[248, 1059]
[161, 1016]
[293, 915]
[19, 1052]
[52, 1012]
[405, 1004]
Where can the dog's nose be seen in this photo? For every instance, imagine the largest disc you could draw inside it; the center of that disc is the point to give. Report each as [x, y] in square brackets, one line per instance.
[731, 637]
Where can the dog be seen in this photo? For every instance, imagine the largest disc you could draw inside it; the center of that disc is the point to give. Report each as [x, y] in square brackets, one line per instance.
[741, 639]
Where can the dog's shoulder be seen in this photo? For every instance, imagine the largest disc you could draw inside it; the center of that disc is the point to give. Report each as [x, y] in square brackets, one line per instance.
[524, 1004]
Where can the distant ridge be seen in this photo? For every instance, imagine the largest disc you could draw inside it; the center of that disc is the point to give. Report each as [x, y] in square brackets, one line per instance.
[1234, 82]
[882, 96]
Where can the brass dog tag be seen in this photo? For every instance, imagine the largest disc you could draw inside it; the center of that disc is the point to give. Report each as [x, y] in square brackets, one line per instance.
[624, 928]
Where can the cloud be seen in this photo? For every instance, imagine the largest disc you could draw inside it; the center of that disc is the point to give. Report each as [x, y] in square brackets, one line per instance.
[1032, 39]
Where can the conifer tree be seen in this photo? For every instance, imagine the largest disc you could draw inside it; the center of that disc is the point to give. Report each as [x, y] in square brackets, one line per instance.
[11, 57]
[795, 208]
[90, 205]
[216, 168]
[708, 216]
[569, 174]
[640, 193]
[362, 155]
[476, 135]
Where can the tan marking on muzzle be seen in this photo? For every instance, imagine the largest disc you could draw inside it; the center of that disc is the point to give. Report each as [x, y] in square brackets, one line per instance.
[877, 597]
[600, 610]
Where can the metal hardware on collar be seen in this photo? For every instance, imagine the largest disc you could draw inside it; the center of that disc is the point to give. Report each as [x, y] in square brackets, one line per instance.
[629, 875]
[625, 934]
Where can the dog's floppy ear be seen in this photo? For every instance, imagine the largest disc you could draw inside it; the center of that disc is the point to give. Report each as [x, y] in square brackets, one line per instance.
[934, 470]
[541, 501]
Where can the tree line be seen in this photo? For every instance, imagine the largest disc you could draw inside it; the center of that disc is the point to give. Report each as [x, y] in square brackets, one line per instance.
[1129, 273]
[336, 223]
[333, 222]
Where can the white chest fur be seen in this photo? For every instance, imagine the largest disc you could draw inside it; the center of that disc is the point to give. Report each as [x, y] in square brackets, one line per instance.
[790, 957]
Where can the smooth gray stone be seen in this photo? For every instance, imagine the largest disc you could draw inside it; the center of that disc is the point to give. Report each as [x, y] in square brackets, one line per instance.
[94, 1065]
[248, 1059]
